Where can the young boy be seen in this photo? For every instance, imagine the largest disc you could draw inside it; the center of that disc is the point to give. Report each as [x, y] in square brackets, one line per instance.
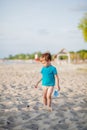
[49, 75]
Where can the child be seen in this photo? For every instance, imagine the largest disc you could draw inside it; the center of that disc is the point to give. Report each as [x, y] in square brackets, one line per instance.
[49, 75]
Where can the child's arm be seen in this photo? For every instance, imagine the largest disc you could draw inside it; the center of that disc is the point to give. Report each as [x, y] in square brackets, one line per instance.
[38, 83]
[57, 81]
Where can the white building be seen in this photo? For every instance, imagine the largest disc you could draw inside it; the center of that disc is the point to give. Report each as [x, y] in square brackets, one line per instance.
[63, 52]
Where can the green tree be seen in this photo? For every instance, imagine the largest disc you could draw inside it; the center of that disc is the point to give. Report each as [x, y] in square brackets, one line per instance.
[82, 54]
[10, 57]
[83, 26]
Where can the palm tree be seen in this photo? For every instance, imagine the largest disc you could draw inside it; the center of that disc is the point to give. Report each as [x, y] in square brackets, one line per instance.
[83, 26]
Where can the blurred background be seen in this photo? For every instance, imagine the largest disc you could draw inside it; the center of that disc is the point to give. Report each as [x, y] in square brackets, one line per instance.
[28, 27]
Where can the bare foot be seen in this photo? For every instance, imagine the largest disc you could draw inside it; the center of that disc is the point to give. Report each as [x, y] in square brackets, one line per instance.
[43, 108]
[50, 109]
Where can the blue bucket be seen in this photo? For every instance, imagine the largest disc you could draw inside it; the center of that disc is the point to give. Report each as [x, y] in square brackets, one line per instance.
[56, 93]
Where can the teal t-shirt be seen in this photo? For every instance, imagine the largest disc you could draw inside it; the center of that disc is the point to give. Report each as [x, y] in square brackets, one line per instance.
[48, 75]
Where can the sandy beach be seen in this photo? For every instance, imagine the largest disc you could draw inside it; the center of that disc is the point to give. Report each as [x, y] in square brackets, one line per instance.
[21, 105]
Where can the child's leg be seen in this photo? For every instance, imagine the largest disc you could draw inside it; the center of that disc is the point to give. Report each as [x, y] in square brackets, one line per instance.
[45, 95]
[49, 94]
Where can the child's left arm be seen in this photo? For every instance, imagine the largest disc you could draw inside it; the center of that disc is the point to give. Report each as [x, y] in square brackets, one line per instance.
[57, 81]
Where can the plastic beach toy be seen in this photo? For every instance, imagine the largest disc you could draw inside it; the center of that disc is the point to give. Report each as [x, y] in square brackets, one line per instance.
[56, 93]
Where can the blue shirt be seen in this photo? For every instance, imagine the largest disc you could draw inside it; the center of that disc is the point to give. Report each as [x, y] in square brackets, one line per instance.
[48, 75]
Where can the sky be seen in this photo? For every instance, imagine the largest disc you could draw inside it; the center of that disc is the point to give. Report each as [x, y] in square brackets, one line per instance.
[28, 26]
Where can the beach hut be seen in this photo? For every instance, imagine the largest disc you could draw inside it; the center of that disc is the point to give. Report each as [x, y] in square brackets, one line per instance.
[63, 52]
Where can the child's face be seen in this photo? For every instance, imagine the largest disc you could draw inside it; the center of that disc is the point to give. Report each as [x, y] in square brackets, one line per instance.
[44, 62]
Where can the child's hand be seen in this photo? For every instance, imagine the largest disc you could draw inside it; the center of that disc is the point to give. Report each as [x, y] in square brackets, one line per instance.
[35, 86]
[58, 87]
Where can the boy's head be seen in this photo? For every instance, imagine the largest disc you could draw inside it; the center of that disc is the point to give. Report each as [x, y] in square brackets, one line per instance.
[46, 58]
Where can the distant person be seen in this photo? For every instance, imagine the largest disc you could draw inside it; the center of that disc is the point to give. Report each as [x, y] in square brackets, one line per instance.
[49, 77]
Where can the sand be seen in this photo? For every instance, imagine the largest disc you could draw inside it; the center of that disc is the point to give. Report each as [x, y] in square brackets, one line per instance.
[21, 105]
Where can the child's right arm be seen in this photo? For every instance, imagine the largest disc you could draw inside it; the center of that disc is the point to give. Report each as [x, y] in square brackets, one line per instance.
[38, 83]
